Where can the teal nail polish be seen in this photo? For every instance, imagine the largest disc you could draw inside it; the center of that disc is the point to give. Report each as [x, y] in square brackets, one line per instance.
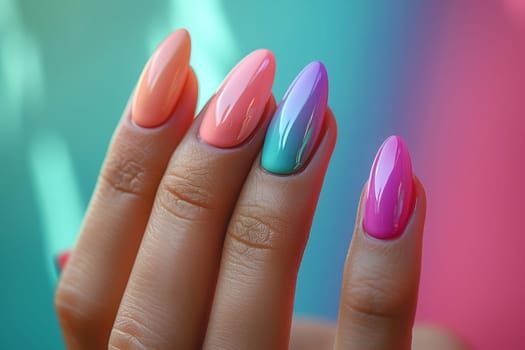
[297, 122]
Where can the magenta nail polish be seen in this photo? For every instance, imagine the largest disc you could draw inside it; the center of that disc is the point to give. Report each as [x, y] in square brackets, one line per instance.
[390, 197]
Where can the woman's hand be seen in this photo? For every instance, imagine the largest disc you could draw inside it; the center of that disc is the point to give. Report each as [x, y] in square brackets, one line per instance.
[196, 229]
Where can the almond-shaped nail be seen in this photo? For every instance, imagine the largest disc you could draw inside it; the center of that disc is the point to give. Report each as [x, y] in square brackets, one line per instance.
[297, 122]
[162, 80]
[235, 111]
[390, 197]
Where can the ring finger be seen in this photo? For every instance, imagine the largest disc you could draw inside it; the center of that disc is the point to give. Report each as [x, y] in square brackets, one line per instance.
[267, 233]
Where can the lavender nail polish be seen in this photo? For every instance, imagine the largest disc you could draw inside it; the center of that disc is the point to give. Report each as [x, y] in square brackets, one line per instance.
[297, 122]
[390, 197]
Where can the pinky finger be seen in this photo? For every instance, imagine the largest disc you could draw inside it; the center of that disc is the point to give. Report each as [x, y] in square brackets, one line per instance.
[381, 277]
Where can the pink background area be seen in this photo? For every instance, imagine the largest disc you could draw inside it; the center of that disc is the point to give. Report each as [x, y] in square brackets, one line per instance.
[471, 160]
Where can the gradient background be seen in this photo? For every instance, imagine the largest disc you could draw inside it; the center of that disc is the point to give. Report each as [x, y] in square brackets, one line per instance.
[447, 75]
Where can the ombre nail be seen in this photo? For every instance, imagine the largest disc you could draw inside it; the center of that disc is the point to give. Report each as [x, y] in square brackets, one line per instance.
[162, 80]
[297, 122]
[390, 198]
[235, 111]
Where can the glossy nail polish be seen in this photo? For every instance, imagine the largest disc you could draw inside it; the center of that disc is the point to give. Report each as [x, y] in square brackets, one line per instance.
[235, 111]
[62, 260]
[390, 198]
[297, 122]
[162, 80]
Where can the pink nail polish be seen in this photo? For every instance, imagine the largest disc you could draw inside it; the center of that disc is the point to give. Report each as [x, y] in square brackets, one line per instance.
[62, 259]
[234, 113]
[390, 197]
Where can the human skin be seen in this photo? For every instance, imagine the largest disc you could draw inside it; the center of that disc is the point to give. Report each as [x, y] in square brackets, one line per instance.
[197, 226]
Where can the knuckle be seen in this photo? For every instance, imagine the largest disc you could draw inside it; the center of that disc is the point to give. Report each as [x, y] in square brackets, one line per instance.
[185, 196]
[124, 172]
[77, 315]
[256, 228]
[371, 293]
[129, 333]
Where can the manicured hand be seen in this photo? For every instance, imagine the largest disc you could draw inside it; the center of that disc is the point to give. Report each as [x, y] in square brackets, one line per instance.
[197, 226]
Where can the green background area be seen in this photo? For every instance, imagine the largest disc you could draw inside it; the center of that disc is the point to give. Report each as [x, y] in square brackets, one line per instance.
[68, 67]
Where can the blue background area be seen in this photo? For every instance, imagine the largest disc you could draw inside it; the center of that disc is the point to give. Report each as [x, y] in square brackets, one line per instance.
[68, 67]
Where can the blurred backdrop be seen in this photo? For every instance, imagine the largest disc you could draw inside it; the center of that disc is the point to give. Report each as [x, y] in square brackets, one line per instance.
[447, 75]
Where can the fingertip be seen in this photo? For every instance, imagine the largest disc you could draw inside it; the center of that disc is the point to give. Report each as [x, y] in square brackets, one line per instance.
[331, 127]
[417, 220]
[192, 84]
[421, 193]
[269, 111]
[272, 103]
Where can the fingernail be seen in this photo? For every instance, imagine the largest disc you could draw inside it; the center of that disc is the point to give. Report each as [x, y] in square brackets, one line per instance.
[390, 197]
[297, 122]
[235, 111]
[162, 80]
[62, 260]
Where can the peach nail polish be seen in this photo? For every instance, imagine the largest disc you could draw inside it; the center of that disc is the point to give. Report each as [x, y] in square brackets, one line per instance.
[236, 109]
[162, 80]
